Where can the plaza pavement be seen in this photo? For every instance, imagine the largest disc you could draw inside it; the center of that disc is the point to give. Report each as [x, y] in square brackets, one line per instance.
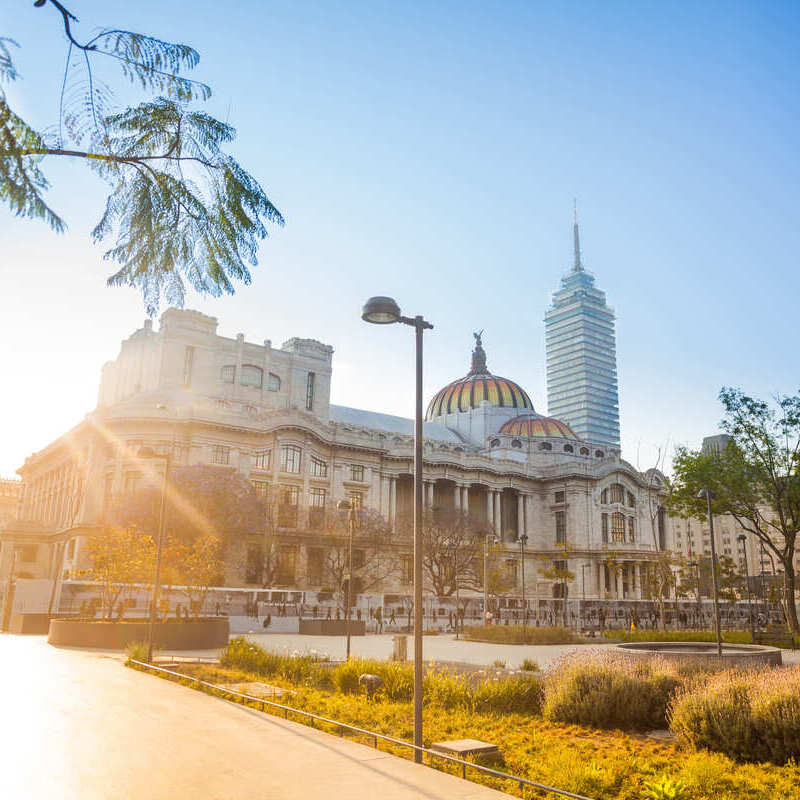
[81, 725]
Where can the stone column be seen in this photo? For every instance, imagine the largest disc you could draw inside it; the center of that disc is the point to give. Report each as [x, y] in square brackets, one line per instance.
[601, 580]
[498, 514]
[392, 500]
[429, 492]
[457, 498]
[465, 499]
[637, 575]
[490, 507]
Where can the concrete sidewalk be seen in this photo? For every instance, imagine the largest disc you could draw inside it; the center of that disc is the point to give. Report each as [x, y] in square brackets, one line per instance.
[80, 725]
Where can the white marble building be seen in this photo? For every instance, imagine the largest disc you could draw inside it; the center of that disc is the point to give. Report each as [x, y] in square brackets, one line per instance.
[265, 411]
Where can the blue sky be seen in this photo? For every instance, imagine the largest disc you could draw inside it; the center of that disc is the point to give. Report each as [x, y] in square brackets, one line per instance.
[431, 151]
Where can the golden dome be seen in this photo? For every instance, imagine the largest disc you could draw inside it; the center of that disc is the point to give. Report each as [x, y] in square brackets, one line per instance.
[534, 426]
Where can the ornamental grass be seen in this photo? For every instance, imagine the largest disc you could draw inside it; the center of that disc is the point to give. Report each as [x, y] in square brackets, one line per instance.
[749, 716]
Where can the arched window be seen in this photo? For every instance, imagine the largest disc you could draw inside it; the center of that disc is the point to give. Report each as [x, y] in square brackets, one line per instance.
[584, 451]
[228, 374]
[251, 376]
[631, 529]
[545, 446]
[516, 443]
[273, 383]
[598, 453]
[568, 448]
[631, 500]
[604, 497]
[495, 443]
[617, 493]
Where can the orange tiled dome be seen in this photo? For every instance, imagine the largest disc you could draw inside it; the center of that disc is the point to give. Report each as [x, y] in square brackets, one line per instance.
[533, 426]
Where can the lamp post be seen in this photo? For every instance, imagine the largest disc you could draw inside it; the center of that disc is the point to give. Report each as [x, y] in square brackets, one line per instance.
[349, 507]
[148, 452]
[584, 567]
[522, 538]
[708, 495]
[742, 539]
[385, 311]
[486, 574]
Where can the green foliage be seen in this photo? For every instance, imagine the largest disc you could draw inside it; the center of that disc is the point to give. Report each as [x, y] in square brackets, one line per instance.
[606, 692]
[529, 665]
[512, 634]
[181, 209]
[300, 669]
[137, 651]
[748, 716]
[664, 789]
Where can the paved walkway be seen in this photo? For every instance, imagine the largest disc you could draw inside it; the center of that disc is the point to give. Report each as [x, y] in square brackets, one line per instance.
[80, 725]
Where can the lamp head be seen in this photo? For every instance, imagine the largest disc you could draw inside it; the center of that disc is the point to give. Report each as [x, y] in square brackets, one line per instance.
[742, 538]
[706, 493]
[522, 538]
[380, 311]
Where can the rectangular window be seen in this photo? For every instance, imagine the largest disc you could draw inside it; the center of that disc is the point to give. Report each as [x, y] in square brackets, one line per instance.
[319, 468]
[631, 529]
[287, 561]
[310, 391]
[273, 383]
[357, 499]
[617, 493]
[512, 570]
[290, 458]
[264, 459]
[315, 562]
[356, 472]
[287, 506]
[221, 455]
[262, 488]
[561, 527]
[251, 376]
[188, 361]
[560, 497]
[617, 527]
[407, 568]
[560, 566]
[228, 374]
[604, 533]
[317, 498]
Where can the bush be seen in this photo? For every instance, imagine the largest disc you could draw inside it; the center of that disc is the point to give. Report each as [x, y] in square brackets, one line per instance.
[528, 665]
[297, 668]
[608, 692]
[398, 679]
[512, 634]
[511, 695]
[748, 716]
[137, 651]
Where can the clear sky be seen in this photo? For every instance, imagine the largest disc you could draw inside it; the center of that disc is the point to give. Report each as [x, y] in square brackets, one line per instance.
[431, 151]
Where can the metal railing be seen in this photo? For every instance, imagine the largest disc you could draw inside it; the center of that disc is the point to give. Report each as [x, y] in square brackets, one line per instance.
[521, 782]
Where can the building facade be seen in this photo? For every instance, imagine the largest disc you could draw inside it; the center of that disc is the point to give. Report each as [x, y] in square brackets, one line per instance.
[265, 412]
[581, 356]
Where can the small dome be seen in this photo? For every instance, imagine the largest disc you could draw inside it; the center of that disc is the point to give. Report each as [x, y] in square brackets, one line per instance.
[478, 385]
[534, 426]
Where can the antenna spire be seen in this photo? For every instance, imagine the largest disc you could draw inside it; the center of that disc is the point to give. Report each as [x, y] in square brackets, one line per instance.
[577, 266]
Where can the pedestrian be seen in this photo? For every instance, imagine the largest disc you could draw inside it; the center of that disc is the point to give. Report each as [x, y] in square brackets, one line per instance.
[392, 620]
[328, 616]
[379, 619]
[358, 614]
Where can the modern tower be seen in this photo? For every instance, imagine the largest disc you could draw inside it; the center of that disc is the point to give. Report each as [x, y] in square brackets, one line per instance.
[581, 356]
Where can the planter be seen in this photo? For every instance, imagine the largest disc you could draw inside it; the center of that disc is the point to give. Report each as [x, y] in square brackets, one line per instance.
[30, 623]
[205, 633]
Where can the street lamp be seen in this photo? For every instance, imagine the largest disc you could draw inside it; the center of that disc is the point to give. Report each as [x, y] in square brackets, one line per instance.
[349, 507]
[742, 539]
[708, 495]
[148, 452]
[385, 311]
[522, 538]
[453, 545]
[486, 574]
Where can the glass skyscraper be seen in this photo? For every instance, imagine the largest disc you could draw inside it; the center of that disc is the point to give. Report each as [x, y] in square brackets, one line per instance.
[581, 356]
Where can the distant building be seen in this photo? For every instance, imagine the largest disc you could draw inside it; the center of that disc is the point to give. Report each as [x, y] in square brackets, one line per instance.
[581, 356]
[9, 500]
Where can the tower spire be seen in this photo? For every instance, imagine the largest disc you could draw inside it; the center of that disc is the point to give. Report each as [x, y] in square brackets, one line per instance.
[577, 266]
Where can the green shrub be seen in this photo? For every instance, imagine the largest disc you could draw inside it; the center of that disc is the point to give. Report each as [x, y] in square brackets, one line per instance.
[748, 716]
[297, 668]
[664, 789]
[528, 665]
[513, 634]
[398, 679]
[522, 695]
[137, 651]
[608, 692]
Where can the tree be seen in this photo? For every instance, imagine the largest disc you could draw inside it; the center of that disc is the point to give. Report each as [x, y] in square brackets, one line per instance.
[452, 550]
[755, 479]
[662, 576]
[120, 559]
[499, 581]
[198, 567]
[561, 577]
[372, 556]
[180, 208]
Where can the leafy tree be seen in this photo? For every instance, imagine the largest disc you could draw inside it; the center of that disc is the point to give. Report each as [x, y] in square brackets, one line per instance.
[756, 478]
[180, 208]
[499, 581]
[120, 559]
[198, 567]
[561, 577]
